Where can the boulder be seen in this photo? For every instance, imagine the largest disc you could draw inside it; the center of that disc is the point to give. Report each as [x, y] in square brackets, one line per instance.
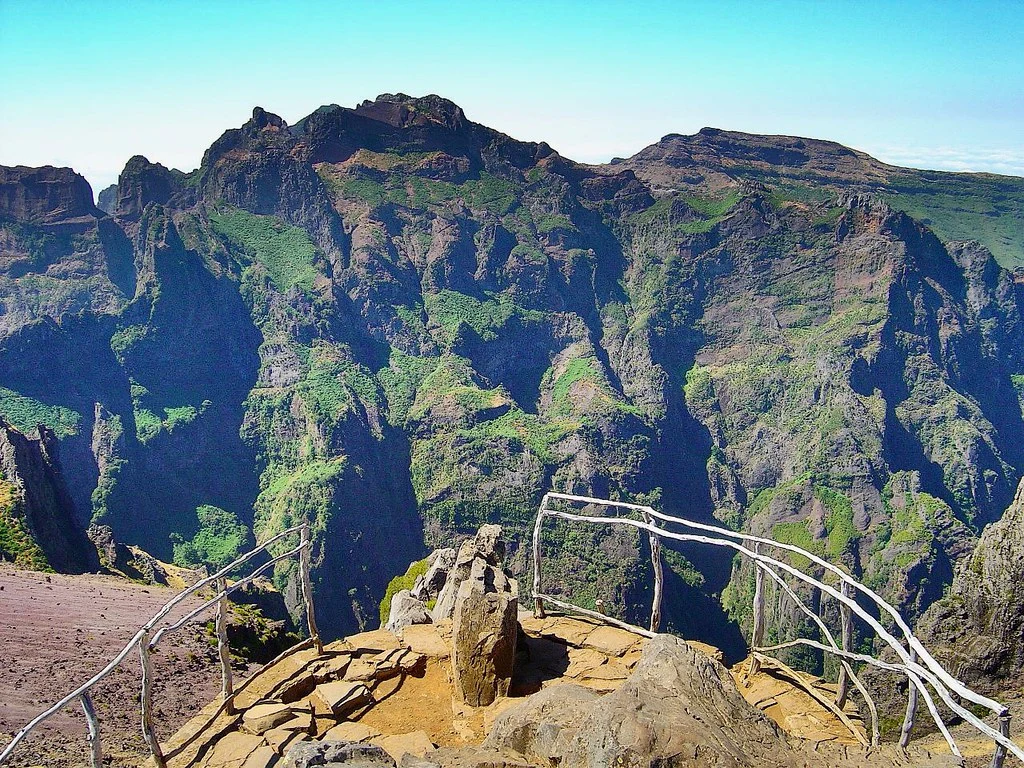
[679, 707]
[406, 610]
[336, 753]
[543, 726]
[484, 634]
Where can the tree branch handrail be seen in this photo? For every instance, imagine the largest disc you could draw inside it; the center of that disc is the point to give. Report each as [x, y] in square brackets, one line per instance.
[912, 641]
[932, 672]
[145, 643]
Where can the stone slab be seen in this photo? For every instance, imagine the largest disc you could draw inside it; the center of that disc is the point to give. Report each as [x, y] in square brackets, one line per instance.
[426, 640]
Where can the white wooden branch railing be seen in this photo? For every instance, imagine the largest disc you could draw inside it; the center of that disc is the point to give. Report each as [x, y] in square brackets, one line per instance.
[148, 636]
[914, 660]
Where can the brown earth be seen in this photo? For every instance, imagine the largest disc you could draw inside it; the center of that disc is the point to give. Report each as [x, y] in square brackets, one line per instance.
[56, 631]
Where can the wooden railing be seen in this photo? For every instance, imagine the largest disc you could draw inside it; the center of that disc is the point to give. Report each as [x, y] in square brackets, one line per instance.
[146, 639]
[914, 660]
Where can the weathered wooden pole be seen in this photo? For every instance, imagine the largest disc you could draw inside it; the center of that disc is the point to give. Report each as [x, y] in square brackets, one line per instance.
[148, 732]
[95, 750]
[659, 576]
[908, 719]
[1004, 730]
[538, 603]
[223, 649]
[307, 586]
[846, 639]
[757, 632]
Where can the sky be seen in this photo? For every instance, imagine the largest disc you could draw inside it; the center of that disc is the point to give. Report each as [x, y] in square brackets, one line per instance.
[924, 83]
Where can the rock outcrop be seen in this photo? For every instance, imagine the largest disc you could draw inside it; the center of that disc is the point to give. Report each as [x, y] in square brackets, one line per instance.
[45, 194]
[487, 546]
[37, 517]
[977, 630]
[481, 601]
[484, 631]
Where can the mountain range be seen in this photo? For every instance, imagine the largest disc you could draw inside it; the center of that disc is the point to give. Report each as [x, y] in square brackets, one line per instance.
[397, 324]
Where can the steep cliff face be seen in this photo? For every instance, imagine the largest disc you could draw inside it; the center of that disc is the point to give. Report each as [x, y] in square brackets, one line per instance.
[977, 629]
[399, 324]
[37, 524]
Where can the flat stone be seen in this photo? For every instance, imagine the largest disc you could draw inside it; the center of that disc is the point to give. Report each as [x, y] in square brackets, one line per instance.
[584, 660]
[611, 670]
[349, 731]
[398, 662]
[296, 687]
[332, 668]
[232, 750]
[563, 630]
[361, 670]
[263, 757]
[303, 721]
[415, 743]
[343, 696]
[611, 641]
[282, 739]
[372, 642]
[426, 640]
[263, 717]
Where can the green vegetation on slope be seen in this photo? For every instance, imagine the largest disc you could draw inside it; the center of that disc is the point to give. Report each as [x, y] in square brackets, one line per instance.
[982, 207]
[25, 413]
[220, 539]
[285, 252]
[451, 309]
[16, 543]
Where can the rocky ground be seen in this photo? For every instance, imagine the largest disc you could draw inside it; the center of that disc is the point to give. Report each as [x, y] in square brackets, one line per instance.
[57, 630]
[583, 694]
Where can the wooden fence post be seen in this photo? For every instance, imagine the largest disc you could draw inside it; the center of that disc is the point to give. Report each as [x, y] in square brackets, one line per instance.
[95, 750]
[223, 650]
[757, 632]
[148, 733]
[1004, 729]
[307, 586]
[659, 577]
[846, 638]
[538, 603]
[908, 719]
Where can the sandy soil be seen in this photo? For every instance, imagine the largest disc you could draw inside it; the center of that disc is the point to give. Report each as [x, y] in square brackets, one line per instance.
[56, 631]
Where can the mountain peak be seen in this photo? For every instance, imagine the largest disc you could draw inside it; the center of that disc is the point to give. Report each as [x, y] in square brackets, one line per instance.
[403, 111]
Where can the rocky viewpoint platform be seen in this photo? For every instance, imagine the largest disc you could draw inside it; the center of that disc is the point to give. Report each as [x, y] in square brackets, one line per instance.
[583, 694]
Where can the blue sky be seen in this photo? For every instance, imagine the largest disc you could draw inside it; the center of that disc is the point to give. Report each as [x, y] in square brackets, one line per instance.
[927, 83]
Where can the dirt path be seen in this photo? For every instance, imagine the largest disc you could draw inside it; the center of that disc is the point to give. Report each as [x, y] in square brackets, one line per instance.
[56, 631]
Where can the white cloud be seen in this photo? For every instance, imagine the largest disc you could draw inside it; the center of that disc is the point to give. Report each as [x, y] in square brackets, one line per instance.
[1004, 160]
